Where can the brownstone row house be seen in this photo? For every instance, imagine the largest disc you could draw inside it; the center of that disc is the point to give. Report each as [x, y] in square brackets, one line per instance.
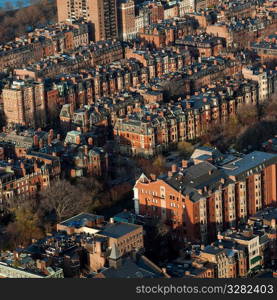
[42, 43]
[152, 130]
[202, 199]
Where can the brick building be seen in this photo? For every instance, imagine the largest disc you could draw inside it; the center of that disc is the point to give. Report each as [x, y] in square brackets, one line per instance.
[43, 42]
[202, 45]
[267, 48]
[202, 199]
[126, 20]
[102, 14]
[24, 103]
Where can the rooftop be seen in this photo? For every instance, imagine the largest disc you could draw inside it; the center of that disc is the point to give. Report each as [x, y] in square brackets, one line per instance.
[117, 230]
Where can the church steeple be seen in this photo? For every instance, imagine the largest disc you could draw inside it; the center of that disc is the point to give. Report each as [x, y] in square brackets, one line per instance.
[115, 257]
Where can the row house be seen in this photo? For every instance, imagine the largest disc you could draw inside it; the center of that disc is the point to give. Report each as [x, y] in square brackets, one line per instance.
[159, 62]
[237, 9]
[186, 119]
[257, 244]
[236, 253]
[266, 79]
[242, 32]
[22, 179]
[198, 74]
[82, 57]
[266, 48]
[100, 83]
[42, 43]
[267, 219]
[225, 262]
[105, 112]
[165, 33]
[202, 45]
[200, 200]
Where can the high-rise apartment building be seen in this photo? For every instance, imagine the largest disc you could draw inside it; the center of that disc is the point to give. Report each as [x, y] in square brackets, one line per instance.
[127, 23]
[102, 14]
[24, 103]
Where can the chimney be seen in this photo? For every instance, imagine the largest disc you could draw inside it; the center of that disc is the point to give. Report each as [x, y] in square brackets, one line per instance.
[22, 167]
[41, 265]
[36, 141]
[15, 255]
[36, 166]
[49, 139]
[41, 143]
[153, 176]
[184, 163]
[174, 168]
[86, 149]
[78, 140]
[90, 141]
[51, 133]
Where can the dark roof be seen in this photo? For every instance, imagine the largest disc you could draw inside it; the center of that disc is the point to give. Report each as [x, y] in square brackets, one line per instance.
[117, 230]
[249, 162]
[80, 220]
[212, 250]
[199, 170]
[128, 269]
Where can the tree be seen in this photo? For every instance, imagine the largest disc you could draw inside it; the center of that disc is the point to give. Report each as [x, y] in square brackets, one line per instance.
[16, 22]
[8, 5]
[64, 199]
[159, 243]
[19, 4]
[185, 148]
[270, 111]
[248, 115]
[159, 164]
[24, 228]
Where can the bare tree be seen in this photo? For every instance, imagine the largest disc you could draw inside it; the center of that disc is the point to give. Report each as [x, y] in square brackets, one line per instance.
[271, 108]
[248, 115]
[19, 4]
[185, 148]
[8, 5]
[64, 199]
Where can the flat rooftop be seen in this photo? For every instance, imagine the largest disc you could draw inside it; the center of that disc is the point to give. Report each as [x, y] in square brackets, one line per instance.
[117, 230]
[80, 220]
[249, 161]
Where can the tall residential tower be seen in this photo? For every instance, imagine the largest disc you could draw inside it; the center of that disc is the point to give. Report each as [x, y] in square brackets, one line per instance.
[102, 14]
